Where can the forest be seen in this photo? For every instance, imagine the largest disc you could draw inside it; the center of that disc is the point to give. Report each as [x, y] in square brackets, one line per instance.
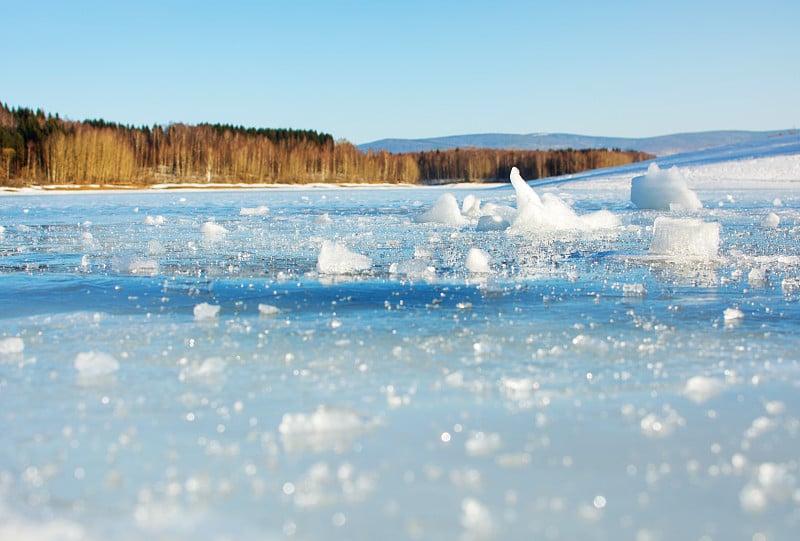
[39, 148]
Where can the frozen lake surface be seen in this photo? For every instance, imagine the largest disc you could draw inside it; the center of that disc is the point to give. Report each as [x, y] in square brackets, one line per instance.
[330, 364]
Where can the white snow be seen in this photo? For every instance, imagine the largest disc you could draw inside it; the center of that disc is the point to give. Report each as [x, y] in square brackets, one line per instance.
[337, 259]
[478, 261]
[95, 363]
[205, 311]
[664, 190]
[685, 238]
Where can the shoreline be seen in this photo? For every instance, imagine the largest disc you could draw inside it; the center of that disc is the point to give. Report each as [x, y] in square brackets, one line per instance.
[59, 189]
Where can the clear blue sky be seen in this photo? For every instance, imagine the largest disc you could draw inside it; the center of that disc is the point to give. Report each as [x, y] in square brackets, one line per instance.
[408, 68]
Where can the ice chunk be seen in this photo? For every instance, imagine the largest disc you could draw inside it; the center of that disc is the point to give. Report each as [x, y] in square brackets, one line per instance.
[476, 518]
[324, 419]
[732, 314]
[213, 231]
[336, 259]
[478, 261]
[444, 211]
[414, 269]
[323, 219]
[12, 345]
[209, 369]
[550, 213]
[526, 197]
[482, 443]
[685, 237]
[260, 210]
[205, 311]
[771, 221]
[493, 222]
[95, 363]
[701, 388]
[155, 220]
[757, 277]
[471, 206]
[663, 190]
[268, 310]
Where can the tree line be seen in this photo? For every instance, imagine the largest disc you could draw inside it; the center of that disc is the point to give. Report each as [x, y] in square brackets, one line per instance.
[40, 148]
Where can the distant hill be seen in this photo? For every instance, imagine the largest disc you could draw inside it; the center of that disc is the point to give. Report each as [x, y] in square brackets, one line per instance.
[663, 145]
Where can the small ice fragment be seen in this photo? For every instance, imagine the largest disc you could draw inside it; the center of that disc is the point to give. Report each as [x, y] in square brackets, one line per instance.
[444, 211]
[155, 220]
[478, 261]
[12, 345]
[323, 219]
[757, 277]
[482, 443]
[777, 202]
[2, 229]
[213, 231]
[336, 259]
[324, 419]
[732, 314]
[685, 237]
[492, 223]
[205, 311]
[260, 210]
[471, 206]
[752, 499]
[476, 518]
[775, 407]
[268, 310]
[701, 388]
[772, 221]
[209, 369]
[95, 363]
[663, 190]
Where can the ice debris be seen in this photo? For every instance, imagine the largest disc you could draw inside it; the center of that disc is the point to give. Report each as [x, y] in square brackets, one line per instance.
[550, 213]
[268, 310]
[445, 211]
[663, 190]
[213, 231]
[12, 345]
[732, 314]
[685, 238]
[260, 210]
[324, 419]
[205, 311]
[771, 221]
[95, 363]
[478, 261]
[337, 259]
[701, 388]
